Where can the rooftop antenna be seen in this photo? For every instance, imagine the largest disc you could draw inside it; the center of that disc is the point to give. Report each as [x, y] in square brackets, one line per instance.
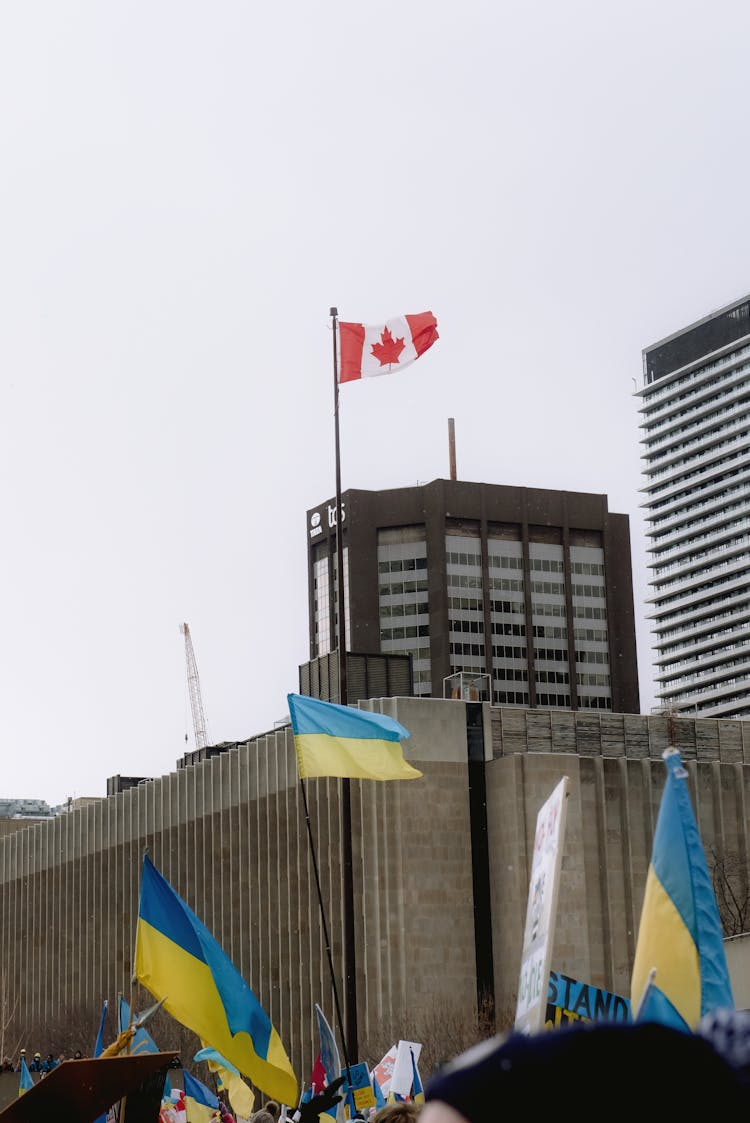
[452, 448]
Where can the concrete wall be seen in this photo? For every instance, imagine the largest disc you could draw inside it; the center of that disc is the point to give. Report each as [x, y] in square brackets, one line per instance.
[230, 835]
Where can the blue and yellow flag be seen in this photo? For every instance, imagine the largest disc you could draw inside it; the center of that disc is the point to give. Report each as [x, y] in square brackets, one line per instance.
[680, 970]
[201, 1104]
[142, 1041]
[417, 1091]
[26, 1081]
[341, 741]
[178, 960]
[241, 1098]
[99, 1043]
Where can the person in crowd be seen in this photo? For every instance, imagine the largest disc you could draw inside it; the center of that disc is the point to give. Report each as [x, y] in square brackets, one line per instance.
[7, 1065]
[21, 1056]
[78, 1055]
[405, 1111]
[262, 1116]
[624, 1068]
[273, 1108]
[35, 1065]
[48, 1063]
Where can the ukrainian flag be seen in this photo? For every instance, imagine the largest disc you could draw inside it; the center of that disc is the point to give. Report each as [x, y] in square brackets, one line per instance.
[201, 1104]
[142, 1041]
[417, 1091]
[26, 1081]
[341, 741]
[228, 1079]
[177, 959]
[679, 935]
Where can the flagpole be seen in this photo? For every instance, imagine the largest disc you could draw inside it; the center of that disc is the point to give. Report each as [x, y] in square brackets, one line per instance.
[350, 972]
[325, 934]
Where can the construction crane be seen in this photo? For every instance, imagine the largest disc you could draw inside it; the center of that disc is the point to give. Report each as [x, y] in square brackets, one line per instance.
[194, 686]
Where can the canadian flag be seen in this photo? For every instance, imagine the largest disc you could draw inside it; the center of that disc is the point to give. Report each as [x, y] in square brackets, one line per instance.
[366, 350]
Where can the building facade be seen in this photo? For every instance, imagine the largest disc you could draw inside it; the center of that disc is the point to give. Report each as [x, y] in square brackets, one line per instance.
[439, 905]
[528, 589]
[695, 407]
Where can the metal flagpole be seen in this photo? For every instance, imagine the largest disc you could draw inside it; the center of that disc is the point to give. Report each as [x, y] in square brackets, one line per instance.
[326, 936]
[350, 974]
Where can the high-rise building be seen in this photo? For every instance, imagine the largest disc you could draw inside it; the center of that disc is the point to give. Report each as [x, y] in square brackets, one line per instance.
[527, 591]
[696, 451]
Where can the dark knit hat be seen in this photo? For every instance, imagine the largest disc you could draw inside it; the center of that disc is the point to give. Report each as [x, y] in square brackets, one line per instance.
[592, 1067]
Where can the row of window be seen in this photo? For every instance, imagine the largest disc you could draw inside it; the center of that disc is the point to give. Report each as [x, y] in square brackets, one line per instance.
[516, 607]
[465, 604]
[590, 635]
[401, 565]
[510, 674]
[410, 632]
[595, 702]
[589, 591]
[581, 612]
[561, 677]
[398, 610]
[592, 656]
[454, 558]
[508, 652]
[475, 626]
[593, 680]
[507, 629]
[463, 581]
[549, 588]
[401, 587]
[554, 700]
[507, 584]
[473, 649]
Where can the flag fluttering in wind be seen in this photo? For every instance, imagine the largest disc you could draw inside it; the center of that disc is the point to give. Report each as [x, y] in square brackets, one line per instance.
[178, 960]
[26, 1080]
[341, 741]
[680, 970]
[241, 1098]
[369, 350]
[329, 1053]
[142, 1041]
[417, 1091]
[200, 1102]
[99, 1045]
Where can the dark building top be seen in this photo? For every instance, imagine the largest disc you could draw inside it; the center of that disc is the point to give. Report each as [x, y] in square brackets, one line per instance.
[531, 588]
[719, 329]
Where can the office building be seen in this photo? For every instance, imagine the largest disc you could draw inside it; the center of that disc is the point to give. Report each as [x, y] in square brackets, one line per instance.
[525, 592]
[696, 450]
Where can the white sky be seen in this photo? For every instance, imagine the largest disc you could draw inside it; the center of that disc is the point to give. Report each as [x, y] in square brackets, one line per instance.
[187, 187]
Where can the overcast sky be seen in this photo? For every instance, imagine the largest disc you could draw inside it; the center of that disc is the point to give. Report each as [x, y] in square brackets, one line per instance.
[188, 187]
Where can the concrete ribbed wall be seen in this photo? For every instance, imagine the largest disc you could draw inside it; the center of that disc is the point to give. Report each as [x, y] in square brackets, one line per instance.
[230, 835]
[617, 775]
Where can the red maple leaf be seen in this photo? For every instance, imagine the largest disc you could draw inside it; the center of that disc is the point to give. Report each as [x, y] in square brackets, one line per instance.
[389, 350]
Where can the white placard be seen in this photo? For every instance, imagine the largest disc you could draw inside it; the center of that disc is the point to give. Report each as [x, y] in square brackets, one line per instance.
[540, 911]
